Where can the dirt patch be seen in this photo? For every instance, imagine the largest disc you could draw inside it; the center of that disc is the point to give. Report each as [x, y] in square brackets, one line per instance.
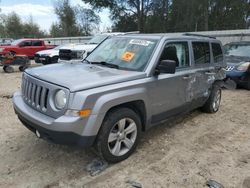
[185, 153]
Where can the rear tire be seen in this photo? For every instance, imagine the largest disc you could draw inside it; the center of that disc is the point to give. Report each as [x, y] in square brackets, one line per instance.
[119, 135]
[213, 103]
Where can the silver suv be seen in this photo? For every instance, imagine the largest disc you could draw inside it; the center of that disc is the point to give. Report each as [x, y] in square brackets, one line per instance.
[125, 86]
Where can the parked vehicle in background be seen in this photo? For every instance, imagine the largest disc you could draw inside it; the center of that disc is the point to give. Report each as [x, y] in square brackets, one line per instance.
[10, 60]
[50, 56]
[81, 51]
[5, 41]
[238, 63]
[26, 47]
[127, 85]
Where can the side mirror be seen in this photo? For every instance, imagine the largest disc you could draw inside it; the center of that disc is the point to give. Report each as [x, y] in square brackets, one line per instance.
[166, 66]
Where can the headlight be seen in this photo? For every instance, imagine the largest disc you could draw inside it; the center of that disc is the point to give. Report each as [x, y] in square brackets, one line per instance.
[79, 54]
[243, 66]
[1, 49]
[60, 99]
[45, 54]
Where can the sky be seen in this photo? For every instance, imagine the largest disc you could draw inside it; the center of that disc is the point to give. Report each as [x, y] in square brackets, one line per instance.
[42, 11]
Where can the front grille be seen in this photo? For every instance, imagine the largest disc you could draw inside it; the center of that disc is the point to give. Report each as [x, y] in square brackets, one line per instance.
[65, 54]
[229, 68]
[71, 54]
[39, 95]
[35, 95]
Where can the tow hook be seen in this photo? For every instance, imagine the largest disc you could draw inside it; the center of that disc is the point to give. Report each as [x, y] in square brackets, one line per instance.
[38, 134]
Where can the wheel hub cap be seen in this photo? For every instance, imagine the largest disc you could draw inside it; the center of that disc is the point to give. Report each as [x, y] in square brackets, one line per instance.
[122, 137]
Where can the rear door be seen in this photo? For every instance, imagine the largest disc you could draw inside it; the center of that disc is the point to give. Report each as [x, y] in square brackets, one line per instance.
[36, 46]
[24, 47]
[204, 70]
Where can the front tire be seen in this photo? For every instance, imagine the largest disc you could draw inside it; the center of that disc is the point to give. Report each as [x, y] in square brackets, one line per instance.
[8, 69]
[119, 135]
[22, 68]
[212, 105]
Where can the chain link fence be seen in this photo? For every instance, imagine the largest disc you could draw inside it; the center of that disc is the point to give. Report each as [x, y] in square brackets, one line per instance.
[225, 37]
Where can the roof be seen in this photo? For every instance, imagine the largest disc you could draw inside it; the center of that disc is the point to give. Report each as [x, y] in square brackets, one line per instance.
[30, 39]
[159, 36]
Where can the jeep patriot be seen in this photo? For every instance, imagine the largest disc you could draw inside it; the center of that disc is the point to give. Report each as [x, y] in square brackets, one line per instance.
[127, 85]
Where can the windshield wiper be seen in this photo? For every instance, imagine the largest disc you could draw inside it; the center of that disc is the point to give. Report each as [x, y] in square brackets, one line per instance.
[106, 64]
[92, 43]
[86, 61]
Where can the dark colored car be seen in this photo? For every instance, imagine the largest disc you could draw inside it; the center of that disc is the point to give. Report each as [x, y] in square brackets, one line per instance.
[237, 57]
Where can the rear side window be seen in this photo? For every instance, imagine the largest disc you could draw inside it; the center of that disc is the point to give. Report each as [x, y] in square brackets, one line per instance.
[201, 52]
[37, 43]
[217, 52]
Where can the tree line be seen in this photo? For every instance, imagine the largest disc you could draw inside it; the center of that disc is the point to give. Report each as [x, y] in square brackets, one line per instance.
[72, 21]
[149, 16]
[152, 16]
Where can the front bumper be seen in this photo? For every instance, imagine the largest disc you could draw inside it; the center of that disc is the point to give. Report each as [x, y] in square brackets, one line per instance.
[241, 78]
[45, 59]
[63, 130]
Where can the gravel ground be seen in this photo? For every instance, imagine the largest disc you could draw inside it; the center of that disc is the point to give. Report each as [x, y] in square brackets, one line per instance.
[184, 153]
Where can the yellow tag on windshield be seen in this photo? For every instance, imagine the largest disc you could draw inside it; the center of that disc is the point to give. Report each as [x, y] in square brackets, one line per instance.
[128, 56]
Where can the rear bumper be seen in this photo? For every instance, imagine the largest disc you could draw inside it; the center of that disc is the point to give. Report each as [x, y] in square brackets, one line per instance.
[63, 130]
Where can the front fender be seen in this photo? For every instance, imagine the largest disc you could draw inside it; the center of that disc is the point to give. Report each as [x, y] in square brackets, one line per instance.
[107, 101]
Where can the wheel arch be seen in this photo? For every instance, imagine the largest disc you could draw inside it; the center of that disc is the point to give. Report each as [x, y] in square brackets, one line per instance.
[134, 99]
[138, 106]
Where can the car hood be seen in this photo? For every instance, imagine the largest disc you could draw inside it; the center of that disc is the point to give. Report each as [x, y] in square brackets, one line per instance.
[51, 52]
[81, 47]
[235, 60]
[81, 76]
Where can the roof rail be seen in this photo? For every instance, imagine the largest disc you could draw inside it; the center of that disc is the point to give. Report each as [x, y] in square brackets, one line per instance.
[132, 32]
[198, 35]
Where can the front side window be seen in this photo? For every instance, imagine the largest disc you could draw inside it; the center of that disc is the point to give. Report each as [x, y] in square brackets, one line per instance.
[125, 53]
[217, 53]
[201, 52]
[25, 43]
[178, 52]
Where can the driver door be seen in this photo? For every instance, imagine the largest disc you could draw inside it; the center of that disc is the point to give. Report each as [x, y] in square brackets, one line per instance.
[24, 47]
[169, 91]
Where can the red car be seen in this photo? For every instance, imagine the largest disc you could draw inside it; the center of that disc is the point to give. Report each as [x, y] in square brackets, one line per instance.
[26, 47]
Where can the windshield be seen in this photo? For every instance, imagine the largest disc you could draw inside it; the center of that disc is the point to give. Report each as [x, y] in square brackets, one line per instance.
[97, 39]
[242, 50]
[16, 42]
[126, 53]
